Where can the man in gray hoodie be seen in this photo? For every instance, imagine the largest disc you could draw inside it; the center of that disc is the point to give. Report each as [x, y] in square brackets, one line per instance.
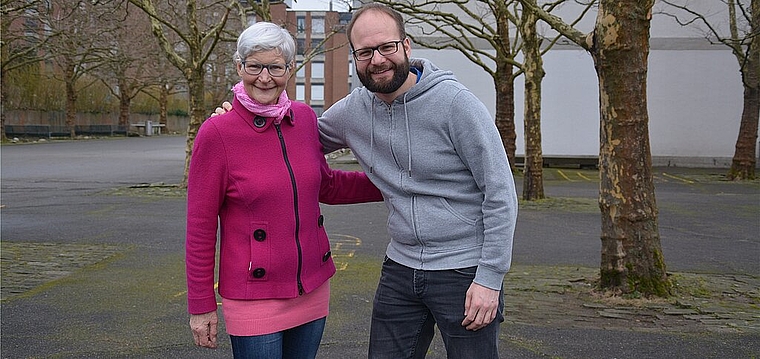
[433, 150]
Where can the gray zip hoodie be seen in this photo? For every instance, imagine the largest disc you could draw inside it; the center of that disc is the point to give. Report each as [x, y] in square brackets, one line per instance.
[438, 159]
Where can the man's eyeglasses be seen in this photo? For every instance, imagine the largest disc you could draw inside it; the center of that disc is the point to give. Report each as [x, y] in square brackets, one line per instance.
[388, 48]
[275, 70]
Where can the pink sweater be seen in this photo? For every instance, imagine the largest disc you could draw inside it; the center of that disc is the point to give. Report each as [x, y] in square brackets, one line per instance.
[266, 316]
[262, 185]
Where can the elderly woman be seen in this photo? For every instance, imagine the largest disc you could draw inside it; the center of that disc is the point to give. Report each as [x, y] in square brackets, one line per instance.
[257, 176]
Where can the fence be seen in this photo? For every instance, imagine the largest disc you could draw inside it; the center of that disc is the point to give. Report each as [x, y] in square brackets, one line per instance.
[53, 124]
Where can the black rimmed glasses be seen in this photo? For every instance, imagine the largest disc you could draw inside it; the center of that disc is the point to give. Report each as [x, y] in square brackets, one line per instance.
[275, 70]
[388, 48]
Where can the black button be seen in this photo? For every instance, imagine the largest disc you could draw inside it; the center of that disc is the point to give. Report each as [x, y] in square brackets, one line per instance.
[259, 235]
[326, 256]
[259, 272]
[321, 220]
[259, 121]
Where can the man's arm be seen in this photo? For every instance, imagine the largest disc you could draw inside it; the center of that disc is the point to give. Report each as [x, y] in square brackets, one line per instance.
[479, 144]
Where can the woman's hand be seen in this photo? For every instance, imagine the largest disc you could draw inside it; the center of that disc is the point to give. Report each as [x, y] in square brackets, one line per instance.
[204, 327]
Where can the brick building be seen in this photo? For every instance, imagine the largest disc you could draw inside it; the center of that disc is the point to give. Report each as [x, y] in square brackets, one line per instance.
[323, 60]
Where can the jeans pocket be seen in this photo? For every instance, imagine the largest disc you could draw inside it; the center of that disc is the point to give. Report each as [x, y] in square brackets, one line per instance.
[466, 272]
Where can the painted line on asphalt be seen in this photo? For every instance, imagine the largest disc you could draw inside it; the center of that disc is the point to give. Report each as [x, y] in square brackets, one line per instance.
[343, 248]
[565, 176]
[581, 175]
[678, 178]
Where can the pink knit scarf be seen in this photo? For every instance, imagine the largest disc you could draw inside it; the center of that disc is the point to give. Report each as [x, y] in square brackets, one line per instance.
[276, 111]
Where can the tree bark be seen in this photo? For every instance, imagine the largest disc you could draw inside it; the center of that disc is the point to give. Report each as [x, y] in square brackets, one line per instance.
[744, 160]
[71, 98]
[163, 103]
[198, 114]
[533, 179]
[124, 101]
[3, 96]
[632, 259]
[504, 83]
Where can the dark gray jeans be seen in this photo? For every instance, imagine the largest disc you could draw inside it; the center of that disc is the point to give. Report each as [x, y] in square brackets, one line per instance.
[409, 303]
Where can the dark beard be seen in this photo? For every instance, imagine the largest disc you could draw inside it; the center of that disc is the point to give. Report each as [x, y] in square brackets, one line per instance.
[400, 74]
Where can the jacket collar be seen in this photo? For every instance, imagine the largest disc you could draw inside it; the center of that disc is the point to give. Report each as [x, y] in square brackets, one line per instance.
[259, 123]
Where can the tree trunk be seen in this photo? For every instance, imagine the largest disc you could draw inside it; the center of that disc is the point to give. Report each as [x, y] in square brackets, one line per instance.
[744, 161]
[124, 102]
[533, 179]
[505, 93]
[632, 259]
[198, 114]
[71, 100]
[3, 96]
[163, 103]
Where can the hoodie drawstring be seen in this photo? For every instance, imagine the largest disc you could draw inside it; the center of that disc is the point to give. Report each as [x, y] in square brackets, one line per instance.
[372, 137]
[408, 139]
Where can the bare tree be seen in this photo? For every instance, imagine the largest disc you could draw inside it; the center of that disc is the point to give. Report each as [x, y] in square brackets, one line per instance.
[21, 43]
[533, 48]
[187, 32]
[533, 72]
[632, 259]
[129, 64]
[742, 36]
[76, 52]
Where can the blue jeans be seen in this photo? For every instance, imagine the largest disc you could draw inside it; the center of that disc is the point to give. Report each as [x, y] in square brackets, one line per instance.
[300, 342]
[409, 303]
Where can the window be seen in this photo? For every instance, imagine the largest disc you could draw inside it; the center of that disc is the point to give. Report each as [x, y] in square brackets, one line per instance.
[344, 18]
[318, 92]
[300, 24]
[301, 73]
[300, 46]
[317, 70]
[317, 25]
[315, 46]
[300, 92]
[319, 110]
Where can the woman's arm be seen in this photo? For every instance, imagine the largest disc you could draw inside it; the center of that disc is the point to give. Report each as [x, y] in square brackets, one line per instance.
[345, 187]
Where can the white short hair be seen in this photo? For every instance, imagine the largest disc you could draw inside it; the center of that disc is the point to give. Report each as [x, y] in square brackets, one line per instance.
[265, 36]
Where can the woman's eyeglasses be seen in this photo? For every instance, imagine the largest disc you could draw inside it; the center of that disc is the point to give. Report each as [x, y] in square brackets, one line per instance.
[275, 70]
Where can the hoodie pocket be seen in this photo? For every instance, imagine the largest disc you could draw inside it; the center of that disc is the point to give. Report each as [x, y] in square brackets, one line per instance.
[441, 227]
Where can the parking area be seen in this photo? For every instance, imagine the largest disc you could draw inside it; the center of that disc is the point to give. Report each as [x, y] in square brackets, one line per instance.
[93, 262]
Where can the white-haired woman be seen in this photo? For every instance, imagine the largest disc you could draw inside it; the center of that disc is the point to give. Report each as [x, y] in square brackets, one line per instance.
[257, 176]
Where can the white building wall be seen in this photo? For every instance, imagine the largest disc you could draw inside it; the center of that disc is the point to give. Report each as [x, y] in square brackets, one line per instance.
[694, 97]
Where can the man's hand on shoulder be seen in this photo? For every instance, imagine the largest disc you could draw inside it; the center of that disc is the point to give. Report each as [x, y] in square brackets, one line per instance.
[226, 107]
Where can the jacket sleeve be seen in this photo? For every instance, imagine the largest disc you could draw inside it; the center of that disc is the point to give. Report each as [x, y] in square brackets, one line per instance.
[477, 141]
[205, 194]
[345, 187]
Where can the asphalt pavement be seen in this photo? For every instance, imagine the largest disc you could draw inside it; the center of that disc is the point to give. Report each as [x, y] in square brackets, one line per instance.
[92, 245]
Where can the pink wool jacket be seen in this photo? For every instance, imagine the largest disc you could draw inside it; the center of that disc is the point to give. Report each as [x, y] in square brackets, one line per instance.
[262, 183]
